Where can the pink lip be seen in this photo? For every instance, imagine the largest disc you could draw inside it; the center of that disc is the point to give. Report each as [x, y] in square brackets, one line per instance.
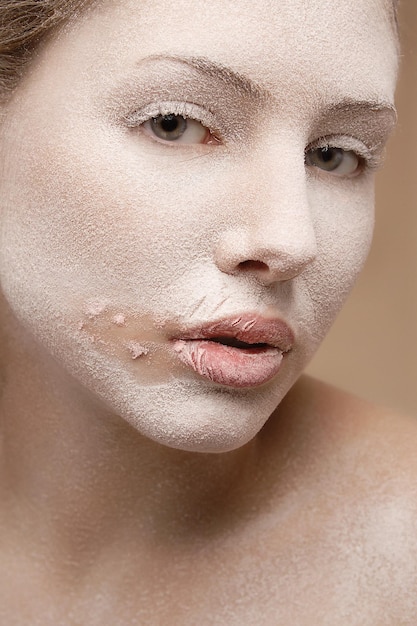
[228, 365]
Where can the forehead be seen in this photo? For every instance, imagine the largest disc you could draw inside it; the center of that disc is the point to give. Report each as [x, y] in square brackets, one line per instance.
[315, 49]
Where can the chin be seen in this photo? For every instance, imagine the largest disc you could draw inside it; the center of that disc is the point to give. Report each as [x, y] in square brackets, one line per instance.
[191, 415]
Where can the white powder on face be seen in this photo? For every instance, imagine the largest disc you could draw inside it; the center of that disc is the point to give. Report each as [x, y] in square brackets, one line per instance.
[136, 350]
[95, 308]
[119, 320]
[160, 231]
[133, 239]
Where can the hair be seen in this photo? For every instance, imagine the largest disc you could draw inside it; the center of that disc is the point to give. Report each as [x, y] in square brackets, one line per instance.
[24, 24]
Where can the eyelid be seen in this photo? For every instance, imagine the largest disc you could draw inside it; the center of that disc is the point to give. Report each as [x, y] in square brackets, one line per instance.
[188, 110]
[372, 158]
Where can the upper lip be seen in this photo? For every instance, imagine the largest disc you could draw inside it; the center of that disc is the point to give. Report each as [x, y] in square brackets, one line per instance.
[247, 328]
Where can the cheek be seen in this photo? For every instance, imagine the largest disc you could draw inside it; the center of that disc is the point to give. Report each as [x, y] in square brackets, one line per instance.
[89, 214]
[344, 217]
[82, 225]
[107, 220]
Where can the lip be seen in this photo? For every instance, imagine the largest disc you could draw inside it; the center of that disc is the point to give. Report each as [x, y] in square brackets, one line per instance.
[242, 351]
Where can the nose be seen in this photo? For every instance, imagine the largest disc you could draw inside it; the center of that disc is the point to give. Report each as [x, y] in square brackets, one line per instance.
[273, 236]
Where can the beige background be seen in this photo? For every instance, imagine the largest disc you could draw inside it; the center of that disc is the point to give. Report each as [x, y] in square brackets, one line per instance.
[372, 348]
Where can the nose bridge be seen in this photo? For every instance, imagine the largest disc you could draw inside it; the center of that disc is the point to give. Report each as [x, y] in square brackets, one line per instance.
[282, 209]
[271, 231]
[279, 224]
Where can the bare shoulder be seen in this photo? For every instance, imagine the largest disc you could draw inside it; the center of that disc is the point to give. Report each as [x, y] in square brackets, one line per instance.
[355, 476]
[333, 414]
[375, 446]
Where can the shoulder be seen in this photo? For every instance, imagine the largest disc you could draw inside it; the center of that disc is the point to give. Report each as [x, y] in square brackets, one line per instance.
[377, 445]
[368, 476]
[340, 415]
[355, 476]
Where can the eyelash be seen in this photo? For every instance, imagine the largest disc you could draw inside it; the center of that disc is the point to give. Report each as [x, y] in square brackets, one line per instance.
[369, 159]
[187, 110]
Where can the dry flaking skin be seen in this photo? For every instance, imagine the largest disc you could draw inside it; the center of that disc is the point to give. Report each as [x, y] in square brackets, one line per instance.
[136, 490]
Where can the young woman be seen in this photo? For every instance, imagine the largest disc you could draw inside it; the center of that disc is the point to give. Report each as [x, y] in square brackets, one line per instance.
[186, 198]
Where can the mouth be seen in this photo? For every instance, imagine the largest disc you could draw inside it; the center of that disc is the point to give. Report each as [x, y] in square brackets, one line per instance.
[232, 342]
[246, 351]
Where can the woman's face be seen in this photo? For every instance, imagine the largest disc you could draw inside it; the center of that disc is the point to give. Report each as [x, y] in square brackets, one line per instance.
[181, 176]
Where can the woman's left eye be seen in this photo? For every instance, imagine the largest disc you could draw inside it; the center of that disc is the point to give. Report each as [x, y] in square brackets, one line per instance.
[177, 129]
[336, 161]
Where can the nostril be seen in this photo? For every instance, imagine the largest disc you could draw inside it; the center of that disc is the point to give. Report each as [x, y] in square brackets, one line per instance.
[251, 266]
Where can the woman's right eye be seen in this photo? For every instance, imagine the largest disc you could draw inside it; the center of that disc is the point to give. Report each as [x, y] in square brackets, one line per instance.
[173, 128]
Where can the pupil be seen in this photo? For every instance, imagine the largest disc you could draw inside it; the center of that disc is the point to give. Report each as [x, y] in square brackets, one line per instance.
[169, 127]
[331, 158]
[169, 123]
[328, 154]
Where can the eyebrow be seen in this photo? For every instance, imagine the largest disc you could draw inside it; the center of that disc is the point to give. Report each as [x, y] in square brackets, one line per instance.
[346, 108]
[229, 77]
[349, 106]
[373, 119]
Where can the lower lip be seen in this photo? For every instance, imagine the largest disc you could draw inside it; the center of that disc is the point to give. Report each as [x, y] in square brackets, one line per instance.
[225, 365]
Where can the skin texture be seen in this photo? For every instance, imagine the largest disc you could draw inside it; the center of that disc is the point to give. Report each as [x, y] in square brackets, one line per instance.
[112, 243]
[179, 236]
